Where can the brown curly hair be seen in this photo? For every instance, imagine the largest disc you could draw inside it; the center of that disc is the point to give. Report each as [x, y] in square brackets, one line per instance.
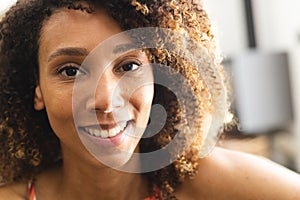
[28, 144]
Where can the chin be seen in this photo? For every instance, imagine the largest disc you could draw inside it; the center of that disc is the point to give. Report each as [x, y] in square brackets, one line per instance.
[116, 161]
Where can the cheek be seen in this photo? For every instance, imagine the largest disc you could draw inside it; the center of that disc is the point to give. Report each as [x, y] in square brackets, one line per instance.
[59, 108]
[141, 100]
[143, 97]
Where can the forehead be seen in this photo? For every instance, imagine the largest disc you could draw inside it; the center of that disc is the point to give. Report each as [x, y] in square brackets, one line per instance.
[75, 28]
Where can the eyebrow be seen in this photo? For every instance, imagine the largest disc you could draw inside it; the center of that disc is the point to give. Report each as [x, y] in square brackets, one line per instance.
[69, 51]
[121, 48]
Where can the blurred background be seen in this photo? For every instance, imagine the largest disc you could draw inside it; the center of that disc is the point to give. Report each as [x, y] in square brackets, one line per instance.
[5, 4]
[260, 41]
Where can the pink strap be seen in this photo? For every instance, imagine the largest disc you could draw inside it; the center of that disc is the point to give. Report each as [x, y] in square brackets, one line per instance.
[155, 196]
[31, 190]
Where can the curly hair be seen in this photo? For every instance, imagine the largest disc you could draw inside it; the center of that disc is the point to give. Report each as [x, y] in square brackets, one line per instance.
[28, 144]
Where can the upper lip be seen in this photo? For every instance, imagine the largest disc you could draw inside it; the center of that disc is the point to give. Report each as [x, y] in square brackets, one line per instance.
[104, 126]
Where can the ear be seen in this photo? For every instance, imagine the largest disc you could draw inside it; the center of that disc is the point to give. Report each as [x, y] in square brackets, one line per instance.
[38, 99]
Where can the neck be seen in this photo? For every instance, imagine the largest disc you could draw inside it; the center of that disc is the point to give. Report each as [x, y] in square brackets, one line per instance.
[92, 180]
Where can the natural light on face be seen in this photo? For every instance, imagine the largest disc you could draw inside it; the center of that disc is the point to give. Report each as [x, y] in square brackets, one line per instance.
[124, 81]
[103, 96]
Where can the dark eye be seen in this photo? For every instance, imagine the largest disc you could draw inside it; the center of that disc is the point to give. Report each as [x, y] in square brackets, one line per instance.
[132, 66]
[70, 71]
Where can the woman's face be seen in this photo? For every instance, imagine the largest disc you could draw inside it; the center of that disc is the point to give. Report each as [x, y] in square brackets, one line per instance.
[94, 97]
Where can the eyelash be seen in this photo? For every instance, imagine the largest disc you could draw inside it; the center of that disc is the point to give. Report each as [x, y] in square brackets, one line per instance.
[63, 70]
[121, 65]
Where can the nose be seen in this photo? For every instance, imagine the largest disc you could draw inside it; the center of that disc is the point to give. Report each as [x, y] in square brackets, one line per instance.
[107, 95]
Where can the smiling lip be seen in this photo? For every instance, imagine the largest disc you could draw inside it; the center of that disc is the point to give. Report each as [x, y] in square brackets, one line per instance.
[106, 131]
[111, 137]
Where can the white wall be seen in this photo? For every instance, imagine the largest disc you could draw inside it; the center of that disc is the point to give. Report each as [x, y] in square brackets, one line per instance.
[228, 21]
[277, 24]
[5, 4]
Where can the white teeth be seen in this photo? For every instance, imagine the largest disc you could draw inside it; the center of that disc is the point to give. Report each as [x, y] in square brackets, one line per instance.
[94, 132]
[104, 133]
[107, 133]
[122, 125]
[112, 132]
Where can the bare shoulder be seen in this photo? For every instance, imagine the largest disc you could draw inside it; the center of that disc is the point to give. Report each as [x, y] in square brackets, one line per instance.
[227, 174]
[13, 191]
